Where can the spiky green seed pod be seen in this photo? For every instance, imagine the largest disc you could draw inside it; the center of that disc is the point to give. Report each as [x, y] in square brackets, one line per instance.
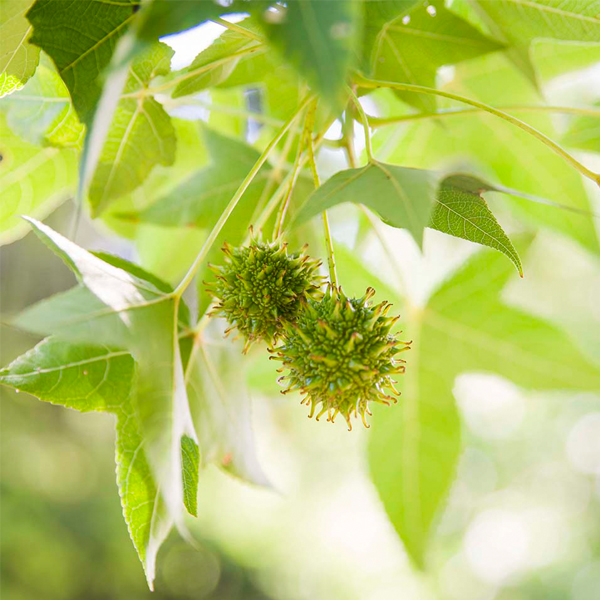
[261, 287]
[341, 355]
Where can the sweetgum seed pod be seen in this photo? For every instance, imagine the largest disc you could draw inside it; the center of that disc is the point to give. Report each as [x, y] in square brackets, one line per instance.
[341, 356]
[261, 287]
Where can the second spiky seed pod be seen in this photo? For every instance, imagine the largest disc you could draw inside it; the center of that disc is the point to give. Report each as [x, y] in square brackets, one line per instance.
[261, 287]
[341, 355]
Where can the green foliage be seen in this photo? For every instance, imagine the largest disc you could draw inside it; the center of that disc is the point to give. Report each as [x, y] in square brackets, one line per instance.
[319, 38]
[80, 38]
[18, 58]
[520, 22]
[412, 47]
[465, 327]
[42, 112]
[34, 180]
[90, 83]
[141, 134]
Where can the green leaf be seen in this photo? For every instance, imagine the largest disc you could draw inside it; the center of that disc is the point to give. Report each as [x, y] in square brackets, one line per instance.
[34, 181]
[465, 327]
[318, 39]
[140, 137]
[80, 37]
[149, 316]
[412, 47]
[584, 133]
[401, 197]
[96, 378]
[500, 151]
[190, 463]
[217, 62]
[18, 58]
[519, 22]
[462, 212]
[42, 112]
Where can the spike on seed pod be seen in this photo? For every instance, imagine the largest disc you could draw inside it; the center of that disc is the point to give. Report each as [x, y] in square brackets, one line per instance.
[261, 288]
[351, 366]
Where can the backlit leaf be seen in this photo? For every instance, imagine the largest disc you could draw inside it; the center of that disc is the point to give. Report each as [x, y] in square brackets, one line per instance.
[519, 22]
[148, 315]
[141, 134]
[42, 112]
[465, 327]
[18, 58]
[34, 181]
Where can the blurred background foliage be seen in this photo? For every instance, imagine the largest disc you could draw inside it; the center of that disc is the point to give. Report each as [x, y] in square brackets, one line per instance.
[523, 518]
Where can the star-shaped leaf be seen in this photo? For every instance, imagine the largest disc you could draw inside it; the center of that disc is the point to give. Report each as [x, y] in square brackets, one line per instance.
[146, 318]
[465, 327]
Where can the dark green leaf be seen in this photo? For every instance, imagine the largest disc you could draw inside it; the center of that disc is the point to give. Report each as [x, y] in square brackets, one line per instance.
[80, 37]
[462, 212]
[318, 39]
[190, 463]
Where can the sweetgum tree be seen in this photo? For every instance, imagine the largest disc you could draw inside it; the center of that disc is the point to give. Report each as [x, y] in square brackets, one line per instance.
[239, 151]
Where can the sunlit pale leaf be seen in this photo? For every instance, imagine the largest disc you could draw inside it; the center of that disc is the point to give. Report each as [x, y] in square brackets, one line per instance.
[412, 47]
[465, 327]
[34, 181]
[42, 112]
[18, 58]
[317, 38]
[519, 22]
[584, 133]
[141, 134]
[80, 37]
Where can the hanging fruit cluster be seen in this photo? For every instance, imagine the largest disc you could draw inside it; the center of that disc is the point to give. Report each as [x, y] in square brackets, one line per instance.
[339, 351]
